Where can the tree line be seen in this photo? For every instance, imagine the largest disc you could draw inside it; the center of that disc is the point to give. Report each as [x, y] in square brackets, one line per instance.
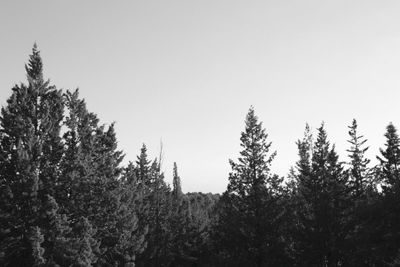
[67, 200]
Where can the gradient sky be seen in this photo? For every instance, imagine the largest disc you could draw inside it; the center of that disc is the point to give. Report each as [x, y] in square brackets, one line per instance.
[186, 72]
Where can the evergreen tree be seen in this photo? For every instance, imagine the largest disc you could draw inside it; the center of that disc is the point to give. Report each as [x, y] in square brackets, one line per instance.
[322, 201]
[359, 172]
[157, 195]
[133, 204]
[159, 214]
[77, 168]
[143, 167]
[387, 219]
[363, 194]
[203, 216]
[248, 230]
[176, 182]
[106, 193]
[390, 159]
[93, 188]
[31, 149]
[184, 236]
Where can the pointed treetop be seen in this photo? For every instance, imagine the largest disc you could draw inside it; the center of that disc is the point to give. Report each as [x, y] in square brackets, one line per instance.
[177, 188]
[307, 141]
[34, 68]
[353, 131]
[251, 110]
[251, 118]
[253, 166]
[321, 147]
[253, 128]
[142, 158]
[305, 151]
[359, 177]
[392, 135]
[356, 141]
[390, 160]
[143, 164]
[254, 137]
[322, 136]
[392, 151]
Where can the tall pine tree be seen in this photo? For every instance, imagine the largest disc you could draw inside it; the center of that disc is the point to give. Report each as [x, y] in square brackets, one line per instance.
[390, 160]
[93, 188]
[31, 150]
[248, 231]
[176, 182]
[157, 195]
[389, 219]
[360, 179]
[322, 200]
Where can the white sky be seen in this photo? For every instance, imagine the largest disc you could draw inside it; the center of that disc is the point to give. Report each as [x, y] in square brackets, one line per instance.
[186, 72]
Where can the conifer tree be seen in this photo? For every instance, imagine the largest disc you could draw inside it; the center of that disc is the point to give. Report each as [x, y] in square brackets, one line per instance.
[248, 230]
[95, 190]
[387, 220]
[133, 203]
[390, 159]
[184, 236]
[160, 212]
[176, 182]
[359, 172]
[30, 124]
[363, 194]
[157, 195]
[300, 174]
[143, 167]
[322, 201]
[76, 183]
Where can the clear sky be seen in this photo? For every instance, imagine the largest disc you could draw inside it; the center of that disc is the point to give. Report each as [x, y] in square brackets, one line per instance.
[186, 72]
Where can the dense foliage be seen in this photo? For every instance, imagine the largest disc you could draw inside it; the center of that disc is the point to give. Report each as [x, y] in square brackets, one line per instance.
[67, 200]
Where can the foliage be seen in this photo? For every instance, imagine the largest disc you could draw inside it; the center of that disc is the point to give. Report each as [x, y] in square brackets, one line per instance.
[67, 200]
[248, 229]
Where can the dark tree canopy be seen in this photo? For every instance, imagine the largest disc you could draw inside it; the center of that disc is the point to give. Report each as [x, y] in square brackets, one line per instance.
[249, 217]
[68, 199]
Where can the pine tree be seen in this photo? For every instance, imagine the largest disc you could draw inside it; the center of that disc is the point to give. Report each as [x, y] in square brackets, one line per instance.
[322, 201]
[74, 191]
[390, 160]
[203, 216]
[359, 172]
[300, 174]
[248, 230]
[157, 195]
[160, 212]
[92, 184]
[143, 166]
[30, 124]
[363, 194]
[176, 182]
[134, 227]
[387, 219]
[184, 236]
[77, 166]
[106, 192]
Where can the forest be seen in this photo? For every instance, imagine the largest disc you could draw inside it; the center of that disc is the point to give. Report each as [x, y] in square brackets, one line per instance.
[66, 199]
